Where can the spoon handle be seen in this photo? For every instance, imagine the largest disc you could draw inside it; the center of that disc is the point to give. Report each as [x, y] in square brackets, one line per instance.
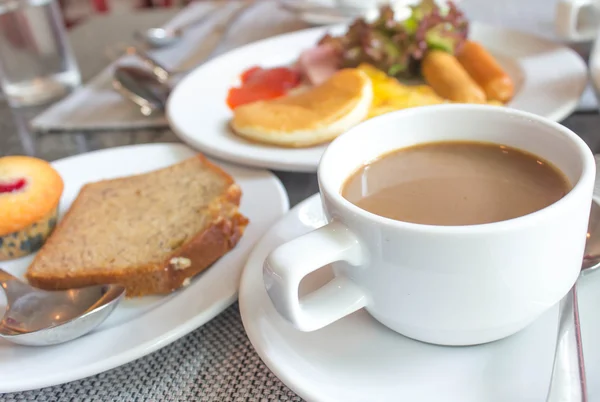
[568, 383]
[12, 286]
[5, 277]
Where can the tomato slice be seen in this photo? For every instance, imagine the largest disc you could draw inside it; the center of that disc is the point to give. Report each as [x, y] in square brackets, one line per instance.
[244, 95]
[279, 77]
[248, 73]
[262, 84]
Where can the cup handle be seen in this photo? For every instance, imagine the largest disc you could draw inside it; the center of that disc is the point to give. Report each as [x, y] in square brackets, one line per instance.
[566, 20]
[285, 267]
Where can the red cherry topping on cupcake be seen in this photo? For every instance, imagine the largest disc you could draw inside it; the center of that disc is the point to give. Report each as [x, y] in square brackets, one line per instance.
[12, 186]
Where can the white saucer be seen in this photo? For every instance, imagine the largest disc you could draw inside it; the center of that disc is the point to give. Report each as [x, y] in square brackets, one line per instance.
[143, 325]
[358, 359]
[550, 79]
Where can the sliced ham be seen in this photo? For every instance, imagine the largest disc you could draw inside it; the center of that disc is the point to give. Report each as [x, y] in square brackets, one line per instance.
[319, 63]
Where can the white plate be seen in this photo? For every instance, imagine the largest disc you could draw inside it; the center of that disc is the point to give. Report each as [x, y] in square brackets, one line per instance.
[143, 325]
[550, 79]
[358, 359]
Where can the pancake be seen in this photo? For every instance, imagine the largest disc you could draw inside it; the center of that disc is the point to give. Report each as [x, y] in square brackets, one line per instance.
[314, 116]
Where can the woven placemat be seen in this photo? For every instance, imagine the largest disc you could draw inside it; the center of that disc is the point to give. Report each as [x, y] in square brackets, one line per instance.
[214, 363]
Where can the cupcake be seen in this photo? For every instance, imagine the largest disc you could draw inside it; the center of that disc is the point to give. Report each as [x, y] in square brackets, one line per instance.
[30, 190]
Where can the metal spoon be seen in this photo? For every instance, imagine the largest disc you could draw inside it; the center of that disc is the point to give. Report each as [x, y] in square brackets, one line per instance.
[149, 88]
[150, 94]
[568, 382]
[38, 317]
[143, 88]
[162, 37]
[162, 73]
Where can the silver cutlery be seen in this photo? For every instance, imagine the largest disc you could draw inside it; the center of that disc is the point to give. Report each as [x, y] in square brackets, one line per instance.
[141, 87]
[150, 94]
[162, 37]
[36, 317]
[162, 73]
[568, 382]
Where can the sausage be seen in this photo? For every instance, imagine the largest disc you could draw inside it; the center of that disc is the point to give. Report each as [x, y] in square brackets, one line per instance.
[486, 72]
[449, 79]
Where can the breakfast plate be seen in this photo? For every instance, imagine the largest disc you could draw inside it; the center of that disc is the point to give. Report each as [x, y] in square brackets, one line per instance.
[142, 325]
[549, 80]
[358, 359]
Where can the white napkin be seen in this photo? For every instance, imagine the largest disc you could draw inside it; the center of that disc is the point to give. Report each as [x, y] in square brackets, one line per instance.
[96, 106]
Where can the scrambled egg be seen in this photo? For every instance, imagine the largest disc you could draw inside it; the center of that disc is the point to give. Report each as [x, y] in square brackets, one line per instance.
[389, 94]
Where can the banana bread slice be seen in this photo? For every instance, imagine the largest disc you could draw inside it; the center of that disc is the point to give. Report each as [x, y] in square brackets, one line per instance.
[148, 232]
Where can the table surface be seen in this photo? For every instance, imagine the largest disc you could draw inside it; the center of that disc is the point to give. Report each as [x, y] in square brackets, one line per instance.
[215, 362]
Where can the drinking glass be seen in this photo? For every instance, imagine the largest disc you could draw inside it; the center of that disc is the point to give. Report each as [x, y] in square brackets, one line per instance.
[36, 60]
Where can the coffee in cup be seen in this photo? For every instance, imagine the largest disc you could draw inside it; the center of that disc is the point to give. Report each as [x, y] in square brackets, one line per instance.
[455, 183]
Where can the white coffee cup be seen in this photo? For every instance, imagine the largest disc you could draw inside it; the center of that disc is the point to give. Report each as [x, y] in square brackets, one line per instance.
[577, 20]
[448, 285]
